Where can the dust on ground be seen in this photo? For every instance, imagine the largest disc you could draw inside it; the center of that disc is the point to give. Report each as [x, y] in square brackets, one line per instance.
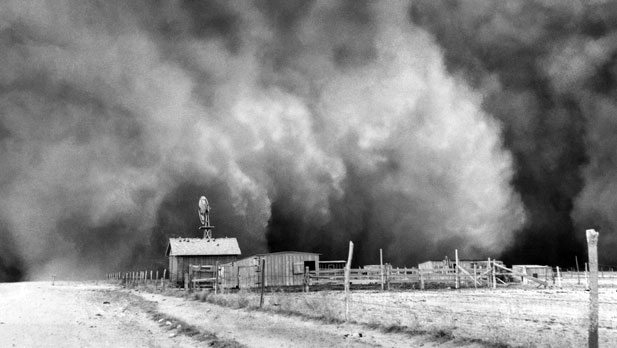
[74, 314]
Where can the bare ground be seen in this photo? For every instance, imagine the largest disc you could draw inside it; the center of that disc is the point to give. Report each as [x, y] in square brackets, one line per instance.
[72, 314]
[36, 314]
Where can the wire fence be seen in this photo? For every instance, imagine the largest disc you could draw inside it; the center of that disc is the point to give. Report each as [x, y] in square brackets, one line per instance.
[516, 317]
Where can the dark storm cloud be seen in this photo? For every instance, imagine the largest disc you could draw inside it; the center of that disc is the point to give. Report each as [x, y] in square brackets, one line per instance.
[547, 69]
[306, 124]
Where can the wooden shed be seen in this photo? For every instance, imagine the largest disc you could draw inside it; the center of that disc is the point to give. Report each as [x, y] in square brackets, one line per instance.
[183, 252]
[285, 268]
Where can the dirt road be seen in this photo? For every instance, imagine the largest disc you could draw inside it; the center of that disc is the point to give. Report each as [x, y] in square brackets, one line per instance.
[34, 314]
[257, 329]
[71, 314]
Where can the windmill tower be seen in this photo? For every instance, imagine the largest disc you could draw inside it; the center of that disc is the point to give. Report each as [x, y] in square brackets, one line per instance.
[204, 216]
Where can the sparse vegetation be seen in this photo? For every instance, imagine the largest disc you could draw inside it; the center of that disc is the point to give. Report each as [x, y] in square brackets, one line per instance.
[491, 318]
[179, 326]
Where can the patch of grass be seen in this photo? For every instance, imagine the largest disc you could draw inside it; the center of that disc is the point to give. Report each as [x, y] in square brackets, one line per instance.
[392, 328]
[443, 334]
[241, 299]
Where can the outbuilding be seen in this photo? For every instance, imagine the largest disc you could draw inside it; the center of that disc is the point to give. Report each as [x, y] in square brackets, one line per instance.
[285, 268]
[183, 252]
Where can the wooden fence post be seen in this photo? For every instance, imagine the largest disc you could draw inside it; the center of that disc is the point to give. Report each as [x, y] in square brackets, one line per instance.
[263, 282]
[388, 275]
[381, 267]
[306, 280]
[347, 273]
[592, 247]
[216, 277]
[488, 273]
[494, 275]
[586, 276]
[558, 278]
[421, 280]
[578, 275]
[186, 281]
[475, 276]
[456, 275]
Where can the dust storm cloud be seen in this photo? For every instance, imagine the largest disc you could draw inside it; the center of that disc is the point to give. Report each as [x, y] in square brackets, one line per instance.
[547, 69]
[305, 123]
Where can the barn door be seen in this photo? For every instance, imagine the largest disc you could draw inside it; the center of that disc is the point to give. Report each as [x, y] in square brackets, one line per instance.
[246, 277]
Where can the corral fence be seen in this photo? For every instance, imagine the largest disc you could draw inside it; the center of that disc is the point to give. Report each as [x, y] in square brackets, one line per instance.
[492, 275]
[387, 277]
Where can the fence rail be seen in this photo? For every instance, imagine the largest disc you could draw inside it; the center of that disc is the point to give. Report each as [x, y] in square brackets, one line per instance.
[213, 277]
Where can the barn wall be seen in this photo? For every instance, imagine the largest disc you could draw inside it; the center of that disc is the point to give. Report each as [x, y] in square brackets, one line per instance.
[279, 270]
[173, 265]
[179, 265]
[246, 273]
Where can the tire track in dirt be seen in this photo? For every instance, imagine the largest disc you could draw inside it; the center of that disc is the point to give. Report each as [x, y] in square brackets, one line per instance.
[257, 329]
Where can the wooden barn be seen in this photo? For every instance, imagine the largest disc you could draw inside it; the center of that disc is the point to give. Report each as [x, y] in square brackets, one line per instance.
[284, 268]
[183, 252]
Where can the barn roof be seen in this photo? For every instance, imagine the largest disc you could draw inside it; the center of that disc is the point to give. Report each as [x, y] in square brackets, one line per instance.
[202, 246]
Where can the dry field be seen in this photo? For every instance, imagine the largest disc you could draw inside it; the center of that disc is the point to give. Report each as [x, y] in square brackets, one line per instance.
[86, 314]
[73, 314]
[516, 316]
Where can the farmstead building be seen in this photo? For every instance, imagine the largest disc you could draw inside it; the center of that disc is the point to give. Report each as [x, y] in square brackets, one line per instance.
[285, 268]
[183, 252]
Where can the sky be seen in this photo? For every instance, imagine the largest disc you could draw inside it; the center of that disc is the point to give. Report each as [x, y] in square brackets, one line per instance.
[417, 127]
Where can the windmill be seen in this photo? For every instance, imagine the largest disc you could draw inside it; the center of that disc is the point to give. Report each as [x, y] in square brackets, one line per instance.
[204, 216]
